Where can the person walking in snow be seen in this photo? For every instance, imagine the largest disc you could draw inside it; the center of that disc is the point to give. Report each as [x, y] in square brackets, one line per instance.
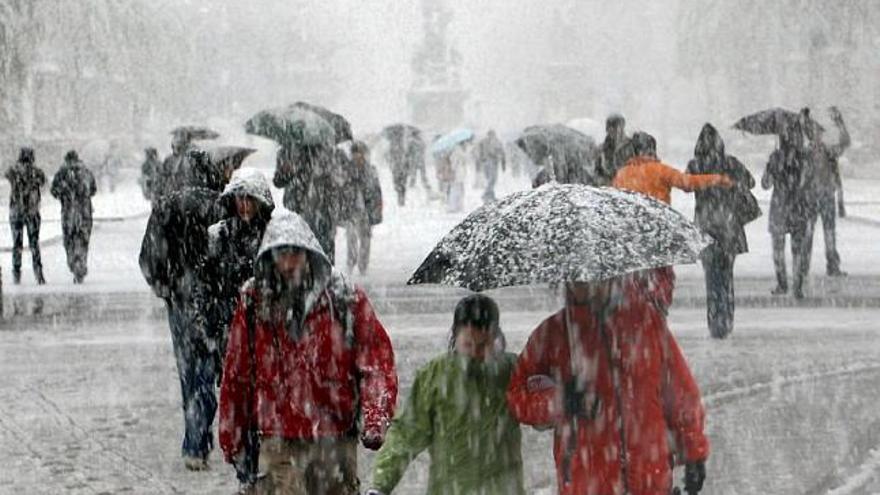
[74, 185]
[631, 412]
[722, 213]
[457, 410]
[309, 366]
[365, 209]
[789, 173]
[616, 149]
[490, 156]
[25, 183]
[149, 171]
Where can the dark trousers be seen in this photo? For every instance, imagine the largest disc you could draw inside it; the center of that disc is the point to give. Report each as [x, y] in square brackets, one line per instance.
[801, 248]
[18, 224]
[718, 268]
[196, 368]
[400, 177]
[358, 235]
[828, 213]
[76, 244]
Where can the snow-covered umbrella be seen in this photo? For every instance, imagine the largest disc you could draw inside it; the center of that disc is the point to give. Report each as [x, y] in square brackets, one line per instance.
[400, 132]
[560, 233]
[450, 140]
[568, 156]
[340, 124]
[772, 121]
[292, 125]
[233, 155]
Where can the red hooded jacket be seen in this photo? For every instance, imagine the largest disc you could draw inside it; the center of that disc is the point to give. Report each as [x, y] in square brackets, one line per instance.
[644, 390]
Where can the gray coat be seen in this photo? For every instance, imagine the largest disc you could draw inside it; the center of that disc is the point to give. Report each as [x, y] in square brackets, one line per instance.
[74, 185]
[26, 182]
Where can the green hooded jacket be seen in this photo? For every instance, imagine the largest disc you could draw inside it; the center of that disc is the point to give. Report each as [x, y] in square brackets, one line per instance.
[457, 409]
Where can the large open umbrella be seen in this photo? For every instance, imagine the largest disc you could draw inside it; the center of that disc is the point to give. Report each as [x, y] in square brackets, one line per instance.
[560, 233]
[194, 132]
[446, 142]
[230, 156]
[292, 125]
[772, 121]
[340, 124]
[569, 156]
[400, 132]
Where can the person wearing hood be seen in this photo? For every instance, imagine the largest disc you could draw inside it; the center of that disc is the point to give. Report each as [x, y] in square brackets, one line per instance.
[457, 410]
[173, 260]
[74, 185]
[173, 174]
[607, 375]
[616, 149]
[233, 242]
[720, 213]
[309, 366]
[365, 207]
[149, 174]
[792, 207]
[25, 183]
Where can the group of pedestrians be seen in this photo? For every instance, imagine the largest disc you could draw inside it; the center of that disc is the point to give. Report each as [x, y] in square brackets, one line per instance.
[74, 186]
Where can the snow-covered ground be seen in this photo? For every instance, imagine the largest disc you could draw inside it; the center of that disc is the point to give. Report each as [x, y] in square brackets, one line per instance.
[791, 404]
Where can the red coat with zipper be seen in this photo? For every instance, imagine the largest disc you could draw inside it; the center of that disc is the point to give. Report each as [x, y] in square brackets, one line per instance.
[309, 388]
[644, 387]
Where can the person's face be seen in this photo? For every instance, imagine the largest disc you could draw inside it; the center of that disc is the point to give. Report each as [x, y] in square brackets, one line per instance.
[245, 207]
[359, 159]
[291, 265]
[474, 342]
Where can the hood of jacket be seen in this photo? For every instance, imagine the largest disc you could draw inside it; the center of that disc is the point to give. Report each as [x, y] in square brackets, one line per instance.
[709, 149]
[252, 183]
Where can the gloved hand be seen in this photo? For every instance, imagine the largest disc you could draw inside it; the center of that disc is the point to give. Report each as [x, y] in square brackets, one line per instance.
[576, 402]
[372, 439]
[694, 476]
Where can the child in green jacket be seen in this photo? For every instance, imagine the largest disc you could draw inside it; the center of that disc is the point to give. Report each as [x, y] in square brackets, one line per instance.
[458, 411]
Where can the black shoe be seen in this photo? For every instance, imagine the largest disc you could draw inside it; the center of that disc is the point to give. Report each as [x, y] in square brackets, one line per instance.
[798, 294]
[40, 279]
[779, 290]
[16, 278]
[836, 273]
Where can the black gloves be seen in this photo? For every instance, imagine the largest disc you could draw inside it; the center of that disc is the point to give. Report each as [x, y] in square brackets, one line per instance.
[574, 401]
[694, 476]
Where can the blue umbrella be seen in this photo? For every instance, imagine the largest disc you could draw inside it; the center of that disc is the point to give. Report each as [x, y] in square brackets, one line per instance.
[451, 139]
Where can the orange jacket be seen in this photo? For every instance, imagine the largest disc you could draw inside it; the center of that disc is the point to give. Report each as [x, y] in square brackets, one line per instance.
[650, 177]
[645, 389]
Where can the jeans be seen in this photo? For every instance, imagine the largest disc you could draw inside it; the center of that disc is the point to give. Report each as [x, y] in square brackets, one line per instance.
[828, 214]
[358, 235]
[18, 224]
[718, 268]
[196, 367]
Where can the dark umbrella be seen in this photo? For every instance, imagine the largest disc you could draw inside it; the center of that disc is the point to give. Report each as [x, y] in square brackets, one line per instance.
[560, 233]
[194, 132]
[772, 121]
[292, 125]
[231, 155]
[400, 132]
[569, 156]
[341, 126]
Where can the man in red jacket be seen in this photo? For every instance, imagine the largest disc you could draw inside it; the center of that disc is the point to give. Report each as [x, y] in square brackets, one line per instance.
[307, 360]
[613, 396]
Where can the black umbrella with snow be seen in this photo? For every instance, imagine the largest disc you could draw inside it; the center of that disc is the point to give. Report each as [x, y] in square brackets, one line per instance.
[566, 155]
[774, 121]
[560, 233]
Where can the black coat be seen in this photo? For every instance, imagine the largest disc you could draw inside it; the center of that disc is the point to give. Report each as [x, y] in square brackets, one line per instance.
[25, 181]
[792, 205]
[74, 185]
[174, 249]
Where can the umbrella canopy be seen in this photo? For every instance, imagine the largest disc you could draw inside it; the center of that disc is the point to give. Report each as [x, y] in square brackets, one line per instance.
[771, 121]
[292, 125]
[233, 155]
[400, 132]
[340, 124]
[572, 154]
[194, 132]
[448, 141]
[560, 233]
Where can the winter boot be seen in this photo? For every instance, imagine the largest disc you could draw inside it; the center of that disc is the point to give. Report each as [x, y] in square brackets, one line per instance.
[193, 463]
[38, 274]
[16, 277]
